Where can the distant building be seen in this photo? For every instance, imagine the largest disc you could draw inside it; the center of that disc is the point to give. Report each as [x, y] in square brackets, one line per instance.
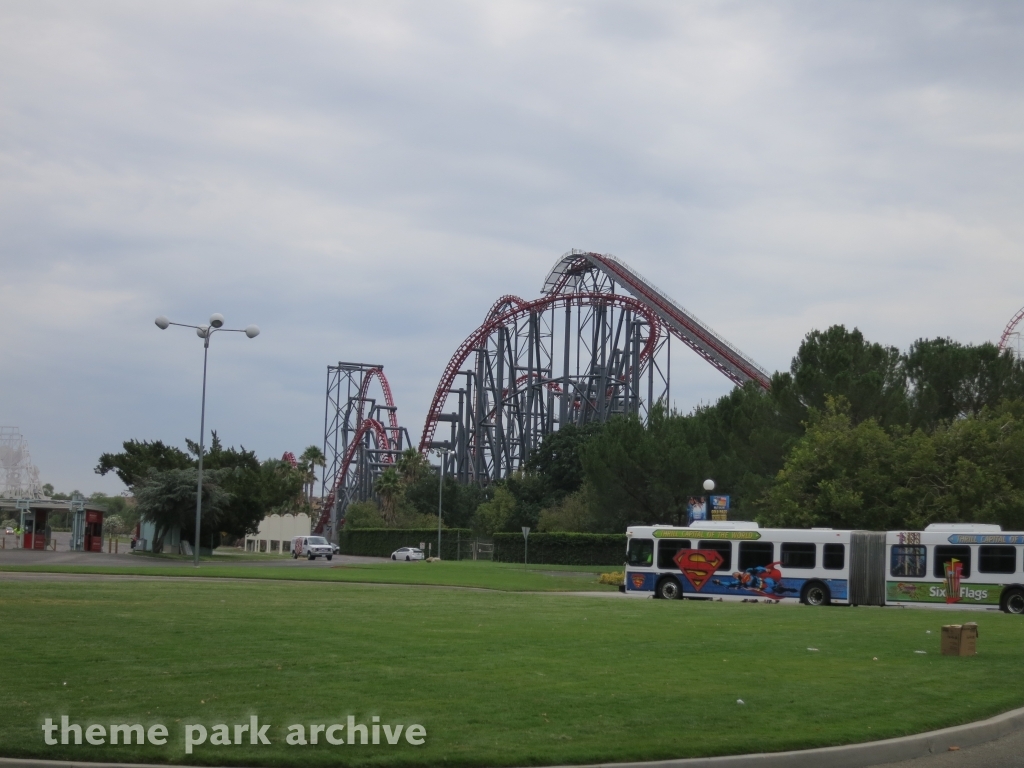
[34, 518]
[276, 532]
[146, 532]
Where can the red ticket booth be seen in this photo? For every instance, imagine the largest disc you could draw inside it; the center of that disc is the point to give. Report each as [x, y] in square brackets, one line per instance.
[34, 529]
[93, 536]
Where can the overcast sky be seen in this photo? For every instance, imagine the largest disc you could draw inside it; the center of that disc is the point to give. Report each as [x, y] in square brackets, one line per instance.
[362, 180]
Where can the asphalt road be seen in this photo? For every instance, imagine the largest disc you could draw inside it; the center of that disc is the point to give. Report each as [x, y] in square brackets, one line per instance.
[63, 556]
[1007, 752]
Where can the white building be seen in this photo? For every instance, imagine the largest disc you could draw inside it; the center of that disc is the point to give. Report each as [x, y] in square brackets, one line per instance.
[276, 532]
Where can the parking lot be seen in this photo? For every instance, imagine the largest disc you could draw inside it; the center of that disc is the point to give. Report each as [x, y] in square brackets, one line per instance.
[10, 555]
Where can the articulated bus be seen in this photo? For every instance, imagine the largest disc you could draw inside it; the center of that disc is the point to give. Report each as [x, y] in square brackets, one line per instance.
[712, 560]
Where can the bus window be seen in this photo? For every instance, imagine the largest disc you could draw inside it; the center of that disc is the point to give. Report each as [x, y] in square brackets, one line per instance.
[640, 553]
[667, 549]
[724, 548]
[755, 553]
[833, 557]
[944, 554]
[997, 559]
[909, 561]
[798, 554]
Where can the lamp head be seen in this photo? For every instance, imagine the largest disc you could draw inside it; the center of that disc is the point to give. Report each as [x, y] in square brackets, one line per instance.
[709, 484]
[202, 331]
[252, 331]
[162, 323]
[216, 319]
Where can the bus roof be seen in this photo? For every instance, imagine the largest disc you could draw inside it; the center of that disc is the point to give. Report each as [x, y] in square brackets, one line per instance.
[711, 525]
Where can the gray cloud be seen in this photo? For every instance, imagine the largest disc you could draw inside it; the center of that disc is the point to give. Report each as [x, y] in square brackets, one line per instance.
[362, 180]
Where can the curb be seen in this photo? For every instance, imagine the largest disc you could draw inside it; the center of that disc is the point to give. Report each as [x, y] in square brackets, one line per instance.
[860, 755]
[851, 756]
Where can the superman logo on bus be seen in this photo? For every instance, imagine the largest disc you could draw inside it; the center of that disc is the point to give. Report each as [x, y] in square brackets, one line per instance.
[698, 565]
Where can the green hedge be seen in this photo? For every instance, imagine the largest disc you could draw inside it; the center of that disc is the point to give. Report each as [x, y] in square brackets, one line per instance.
[562, 548]
[381, 542]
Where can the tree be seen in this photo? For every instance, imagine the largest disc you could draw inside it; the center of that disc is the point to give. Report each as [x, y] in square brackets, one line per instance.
[748, 433]
[532, 494]
[459, 501]
[168, 499]
[309, 460]
[389, 488]
[574, 514]
[968, 470]
[558, 458]
[412, 466]
[137, 458]
[255, 488]
[839, 475]
[846, 475]
[251, 489]
[836, 362]
[643, 474]
[949, 380]
[363, 514]
[494, 515]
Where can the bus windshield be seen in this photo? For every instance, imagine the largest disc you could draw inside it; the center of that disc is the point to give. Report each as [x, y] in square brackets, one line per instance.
[640, 552]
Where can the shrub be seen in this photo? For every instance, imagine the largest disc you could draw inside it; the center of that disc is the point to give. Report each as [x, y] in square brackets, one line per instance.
[562, 548]
[381, 542]
[363, 514]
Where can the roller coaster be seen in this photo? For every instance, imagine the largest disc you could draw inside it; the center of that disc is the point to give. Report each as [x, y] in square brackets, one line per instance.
[597, 343]
[1012, 338]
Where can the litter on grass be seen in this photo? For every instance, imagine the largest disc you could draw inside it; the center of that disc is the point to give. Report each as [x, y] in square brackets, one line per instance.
[812, 649]
[920, 651]
[739, 701]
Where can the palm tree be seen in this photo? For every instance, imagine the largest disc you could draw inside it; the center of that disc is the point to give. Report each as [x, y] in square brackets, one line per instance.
[412, 465]
[388, 487]
[310, 459]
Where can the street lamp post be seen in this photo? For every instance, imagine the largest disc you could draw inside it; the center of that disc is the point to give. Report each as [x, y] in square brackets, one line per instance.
[204, 332]
[442, 453]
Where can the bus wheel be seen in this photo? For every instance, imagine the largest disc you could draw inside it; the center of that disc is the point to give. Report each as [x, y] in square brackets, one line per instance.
[669, 589]
[816, 593]
[1013, 601]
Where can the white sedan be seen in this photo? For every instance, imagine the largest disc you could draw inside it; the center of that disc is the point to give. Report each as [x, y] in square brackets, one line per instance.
[407, 553]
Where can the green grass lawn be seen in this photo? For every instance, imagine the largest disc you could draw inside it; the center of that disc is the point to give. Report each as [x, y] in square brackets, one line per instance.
[497, 678]
[465, 573]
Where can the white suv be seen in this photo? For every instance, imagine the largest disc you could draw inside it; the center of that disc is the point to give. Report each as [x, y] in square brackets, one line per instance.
[312, 547]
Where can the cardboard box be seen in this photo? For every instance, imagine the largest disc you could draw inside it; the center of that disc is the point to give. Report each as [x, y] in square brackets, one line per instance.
[960, 639]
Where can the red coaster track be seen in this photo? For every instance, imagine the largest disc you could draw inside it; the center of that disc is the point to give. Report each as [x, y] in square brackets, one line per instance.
[595, 344]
